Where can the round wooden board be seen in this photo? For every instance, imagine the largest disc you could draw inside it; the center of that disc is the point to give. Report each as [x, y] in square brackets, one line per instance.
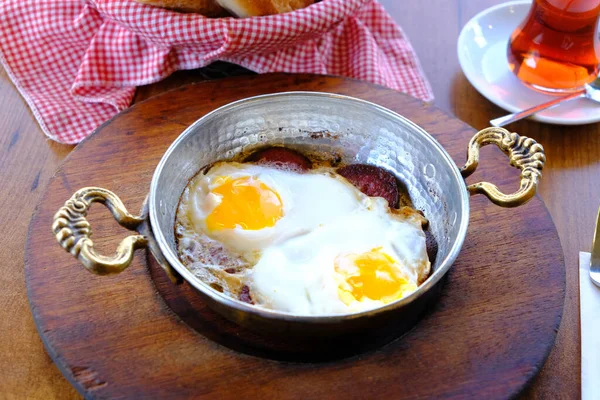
[117, 337]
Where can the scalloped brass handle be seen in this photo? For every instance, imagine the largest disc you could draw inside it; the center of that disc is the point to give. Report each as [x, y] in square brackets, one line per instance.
[73, 231]
[523, 152]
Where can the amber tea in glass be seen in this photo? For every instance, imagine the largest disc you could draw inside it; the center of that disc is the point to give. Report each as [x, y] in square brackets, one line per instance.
[556, 48]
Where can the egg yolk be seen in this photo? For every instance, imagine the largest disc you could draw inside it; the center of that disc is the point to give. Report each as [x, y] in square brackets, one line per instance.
[373, 275]
[246, 202]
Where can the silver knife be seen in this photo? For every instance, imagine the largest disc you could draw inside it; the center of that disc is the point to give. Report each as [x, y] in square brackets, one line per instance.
[595, 259]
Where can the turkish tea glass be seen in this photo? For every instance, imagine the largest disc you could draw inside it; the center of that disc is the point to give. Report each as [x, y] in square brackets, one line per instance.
[556, 48]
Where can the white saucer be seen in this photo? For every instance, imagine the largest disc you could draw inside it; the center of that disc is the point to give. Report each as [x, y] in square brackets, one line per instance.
[482, 47]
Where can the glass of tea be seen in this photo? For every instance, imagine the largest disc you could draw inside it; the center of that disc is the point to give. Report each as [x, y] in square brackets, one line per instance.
[556, 48]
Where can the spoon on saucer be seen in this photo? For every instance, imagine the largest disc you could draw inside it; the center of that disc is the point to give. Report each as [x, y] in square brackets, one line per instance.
[590, 91]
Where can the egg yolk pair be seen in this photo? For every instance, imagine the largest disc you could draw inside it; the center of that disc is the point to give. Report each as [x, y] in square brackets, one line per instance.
[246, 202]
[371, 275]
[250, 204]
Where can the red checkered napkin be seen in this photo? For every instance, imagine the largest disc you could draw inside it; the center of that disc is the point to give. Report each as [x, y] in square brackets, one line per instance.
[77, 63]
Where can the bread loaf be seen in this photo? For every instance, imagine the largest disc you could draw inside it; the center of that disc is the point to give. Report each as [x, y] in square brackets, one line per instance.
[252, 8]
[239, 8]
[208, 8]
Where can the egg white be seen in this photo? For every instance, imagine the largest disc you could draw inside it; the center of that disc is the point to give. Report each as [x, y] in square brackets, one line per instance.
[324, 216]
[298, 276]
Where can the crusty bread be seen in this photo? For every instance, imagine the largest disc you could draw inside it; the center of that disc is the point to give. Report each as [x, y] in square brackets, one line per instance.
[209, 8]
[240, 8]
[251, 8]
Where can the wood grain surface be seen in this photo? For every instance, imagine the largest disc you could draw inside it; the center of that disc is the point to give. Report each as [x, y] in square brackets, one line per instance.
[115, 337]
[569, 189]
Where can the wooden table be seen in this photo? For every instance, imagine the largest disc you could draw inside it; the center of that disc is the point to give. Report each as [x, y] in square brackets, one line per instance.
[570, 189]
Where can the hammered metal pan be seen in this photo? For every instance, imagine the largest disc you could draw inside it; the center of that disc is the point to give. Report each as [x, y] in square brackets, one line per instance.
[355, 130]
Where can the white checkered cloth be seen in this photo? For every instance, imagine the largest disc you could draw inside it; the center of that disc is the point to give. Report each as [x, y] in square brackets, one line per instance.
[77, 63]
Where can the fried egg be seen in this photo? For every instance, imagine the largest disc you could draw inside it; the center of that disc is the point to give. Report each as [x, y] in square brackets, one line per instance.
[315, 245]
[363, 260]
[250, 207]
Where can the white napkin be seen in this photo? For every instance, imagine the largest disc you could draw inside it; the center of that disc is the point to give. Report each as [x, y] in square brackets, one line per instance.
[589, 297]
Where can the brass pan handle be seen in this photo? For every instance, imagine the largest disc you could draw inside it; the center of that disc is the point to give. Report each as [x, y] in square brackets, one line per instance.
[73, 231]
[523, 152]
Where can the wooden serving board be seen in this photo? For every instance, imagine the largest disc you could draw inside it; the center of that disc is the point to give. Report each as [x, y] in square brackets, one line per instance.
[136, 335]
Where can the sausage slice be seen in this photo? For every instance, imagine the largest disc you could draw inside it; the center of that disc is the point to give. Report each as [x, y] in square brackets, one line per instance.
[282, 158]
[372, 181]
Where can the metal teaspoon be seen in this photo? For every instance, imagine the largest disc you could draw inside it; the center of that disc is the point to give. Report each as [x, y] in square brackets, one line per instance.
[590, 91]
